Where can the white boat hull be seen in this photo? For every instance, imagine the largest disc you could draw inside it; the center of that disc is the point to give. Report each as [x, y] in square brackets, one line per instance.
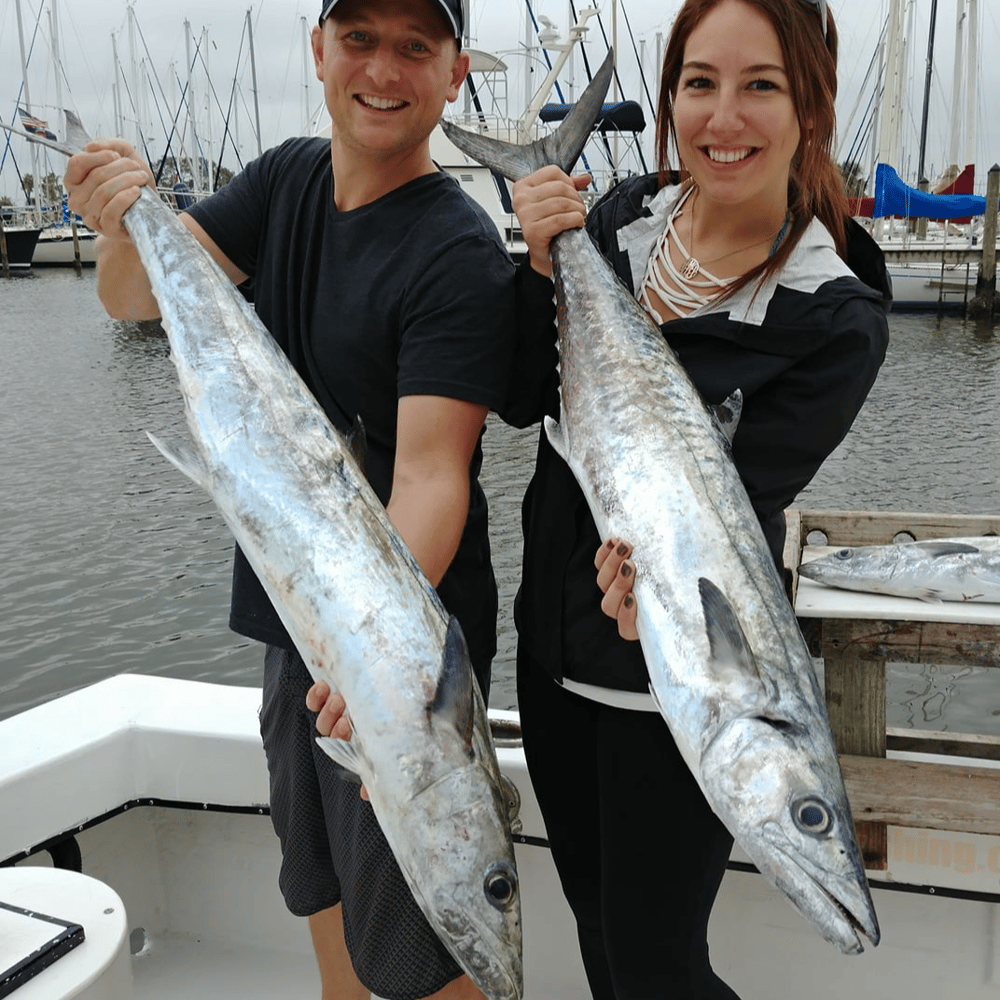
[55, 247]
[929, 287]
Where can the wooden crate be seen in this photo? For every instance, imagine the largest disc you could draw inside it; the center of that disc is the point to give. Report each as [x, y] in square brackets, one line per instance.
[944, 796]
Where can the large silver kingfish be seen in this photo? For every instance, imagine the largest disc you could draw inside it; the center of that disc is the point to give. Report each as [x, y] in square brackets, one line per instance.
[355, 602]
[727, 663]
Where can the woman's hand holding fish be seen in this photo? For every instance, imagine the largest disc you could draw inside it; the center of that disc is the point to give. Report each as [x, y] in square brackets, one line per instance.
[332, 719]
[103, 182]
[547, 203]
[615, 575]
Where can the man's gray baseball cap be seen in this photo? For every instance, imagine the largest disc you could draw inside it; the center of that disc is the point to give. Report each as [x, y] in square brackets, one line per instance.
[451, 9]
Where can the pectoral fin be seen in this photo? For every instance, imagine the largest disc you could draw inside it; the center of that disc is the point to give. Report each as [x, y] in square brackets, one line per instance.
[357, 443]
[344, 754]
[554, 432]
[732, 661]
[453, 700]
[936, 549]
[185, 459]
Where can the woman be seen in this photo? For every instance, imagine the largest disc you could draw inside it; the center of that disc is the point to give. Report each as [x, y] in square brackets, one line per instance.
[760, 282]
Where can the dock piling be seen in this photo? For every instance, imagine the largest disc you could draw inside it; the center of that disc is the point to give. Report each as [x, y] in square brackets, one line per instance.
[984, 305]
[919, 226]
[4, 259]
[77, 263]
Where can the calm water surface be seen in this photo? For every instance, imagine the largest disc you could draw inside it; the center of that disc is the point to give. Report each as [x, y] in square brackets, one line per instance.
[112, 561]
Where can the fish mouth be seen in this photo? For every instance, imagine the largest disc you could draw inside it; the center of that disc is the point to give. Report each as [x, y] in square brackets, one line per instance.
[839, 906]
[485, 967]
[810, 572]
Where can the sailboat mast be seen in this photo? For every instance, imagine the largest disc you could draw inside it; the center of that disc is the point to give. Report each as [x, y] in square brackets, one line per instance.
[927, 91]
[206, 55]
[616, 157]
[195, 159]
[956, 90]
[306, 67]
[56, 62]
[253, 74]
[134, 78]
[116, 89]
[27, 107]
[971, 88]
[893, 91]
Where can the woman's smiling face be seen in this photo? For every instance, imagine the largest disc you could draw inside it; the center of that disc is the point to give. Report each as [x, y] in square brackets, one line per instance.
[736, 125]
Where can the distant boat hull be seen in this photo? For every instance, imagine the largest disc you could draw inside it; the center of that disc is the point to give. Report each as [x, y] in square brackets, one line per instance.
[931, 287]
[21, 242]
[55, 247]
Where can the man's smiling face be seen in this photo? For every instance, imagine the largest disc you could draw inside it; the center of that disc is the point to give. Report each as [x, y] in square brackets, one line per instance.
[387, 67]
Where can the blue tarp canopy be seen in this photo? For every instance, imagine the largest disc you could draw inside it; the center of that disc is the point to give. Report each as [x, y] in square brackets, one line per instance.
[893, 197]
[618, 116]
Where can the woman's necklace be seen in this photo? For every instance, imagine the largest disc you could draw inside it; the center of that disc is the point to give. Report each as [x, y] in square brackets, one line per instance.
[677, 289]
[692, 265]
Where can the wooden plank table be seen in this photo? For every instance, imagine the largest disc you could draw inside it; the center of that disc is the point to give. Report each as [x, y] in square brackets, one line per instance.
[855, 634]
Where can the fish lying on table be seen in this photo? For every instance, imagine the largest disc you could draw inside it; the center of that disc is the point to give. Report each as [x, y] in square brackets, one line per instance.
[728, 666]
[943, 569]
[286, 483]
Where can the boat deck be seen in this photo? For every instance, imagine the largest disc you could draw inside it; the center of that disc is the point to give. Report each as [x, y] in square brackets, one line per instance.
[183, 967]
[162, 785]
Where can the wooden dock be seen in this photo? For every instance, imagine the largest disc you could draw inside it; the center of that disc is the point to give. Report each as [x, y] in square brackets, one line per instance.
[855, 634]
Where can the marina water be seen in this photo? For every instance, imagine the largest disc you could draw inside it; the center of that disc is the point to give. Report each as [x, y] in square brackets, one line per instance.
[112, 561]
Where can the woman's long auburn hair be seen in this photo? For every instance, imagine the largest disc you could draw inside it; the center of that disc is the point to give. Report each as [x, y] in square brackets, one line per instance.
[815, 186]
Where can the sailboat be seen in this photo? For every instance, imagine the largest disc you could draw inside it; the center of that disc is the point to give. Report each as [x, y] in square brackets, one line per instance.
[61, 240]
[930, 233]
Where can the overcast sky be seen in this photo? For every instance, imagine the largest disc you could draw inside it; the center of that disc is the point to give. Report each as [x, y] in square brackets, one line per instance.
[86, 28]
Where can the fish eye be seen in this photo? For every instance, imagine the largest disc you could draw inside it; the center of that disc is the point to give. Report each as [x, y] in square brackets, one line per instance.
[844, 554]
[500, 885]
[812, 816]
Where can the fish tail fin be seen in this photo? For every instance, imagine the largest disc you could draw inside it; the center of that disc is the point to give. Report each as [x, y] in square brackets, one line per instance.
[76, 136]
[563, 147]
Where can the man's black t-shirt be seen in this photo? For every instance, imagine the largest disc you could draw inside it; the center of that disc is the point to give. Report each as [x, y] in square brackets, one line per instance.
[409, 295]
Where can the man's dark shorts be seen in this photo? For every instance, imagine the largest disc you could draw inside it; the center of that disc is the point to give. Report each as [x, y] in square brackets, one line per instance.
[333, 850]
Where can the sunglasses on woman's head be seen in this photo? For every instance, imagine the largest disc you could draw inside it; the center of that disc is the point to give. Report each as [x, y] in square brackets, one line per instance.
[820, 5]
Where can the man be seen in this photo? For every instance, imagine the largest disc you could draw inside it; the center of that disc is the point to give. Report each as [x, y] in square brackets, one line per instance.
[393, 297]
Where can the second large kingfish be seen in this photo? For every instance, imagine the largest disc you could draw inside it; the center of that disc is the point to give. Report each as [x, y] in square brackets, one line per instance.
[727, 663]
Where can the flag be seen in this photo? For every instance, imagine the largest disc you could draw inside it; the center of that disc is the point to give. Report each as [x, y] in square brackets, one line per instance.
[35, 125]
